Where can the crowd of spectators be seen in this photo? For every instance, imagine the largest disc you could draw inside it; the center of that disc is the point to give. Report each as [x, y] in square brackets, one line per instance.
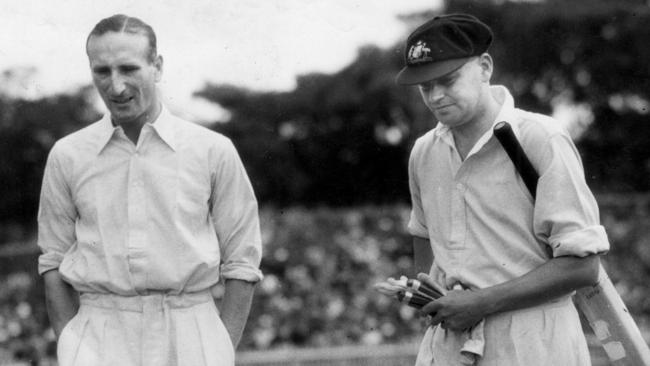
[320, 265]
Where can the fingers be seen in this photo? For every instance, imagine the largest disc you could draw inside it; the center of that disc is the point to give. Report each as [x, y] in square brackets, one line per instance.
[430, 308]
[429, 281]
[386, 288]
[437, 319]
[440, 313]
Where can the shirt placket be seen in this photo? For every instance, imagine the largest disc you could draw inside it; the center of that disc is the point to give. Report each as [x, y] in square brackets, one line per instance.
[137, 219]
[458, 214]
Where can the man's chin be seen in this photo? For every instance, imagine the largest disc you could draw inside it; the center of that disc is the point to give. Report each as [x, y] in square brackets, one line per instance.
[121, 117]
[445, 120]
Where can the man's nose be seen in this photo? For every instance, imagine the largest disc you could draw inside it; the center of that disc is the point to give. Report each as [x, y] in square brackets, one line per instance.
[117, 85]
[436, 93]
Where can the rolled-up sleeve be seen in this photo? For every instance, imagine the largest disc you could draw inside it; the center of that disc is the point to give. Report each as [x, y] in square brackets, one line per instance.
[56, 213]
[235, 217]
[566, 212]
[416, 224]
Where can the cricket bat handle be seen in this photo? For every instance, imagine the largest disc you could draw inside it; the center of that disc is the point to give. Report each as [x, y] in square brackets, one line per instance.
[503, 132]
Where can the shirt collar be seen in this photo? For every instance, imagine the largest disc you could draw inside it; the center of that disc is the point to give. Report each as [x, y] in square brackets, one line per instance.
[105, 132]
[163, 125]
[506, 113]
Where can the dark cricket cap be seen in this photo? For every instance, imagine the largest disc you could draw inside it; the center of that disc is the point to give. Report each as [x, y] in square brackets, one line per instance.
[442, 45]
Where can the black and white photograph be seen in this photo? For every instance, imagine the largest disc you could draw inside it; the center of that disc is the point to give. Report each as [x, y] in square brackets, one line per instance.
[325, 183]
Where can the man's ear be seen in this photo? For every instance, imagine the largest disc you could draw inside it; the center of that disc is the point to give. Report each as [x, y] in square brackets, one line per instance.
[158, 64]
[487, 67]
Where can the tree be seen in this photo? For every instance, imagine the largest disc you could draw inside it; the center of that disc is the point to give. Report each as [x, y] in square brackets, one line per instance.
[28, 129]
[344, 138]
[338, 139]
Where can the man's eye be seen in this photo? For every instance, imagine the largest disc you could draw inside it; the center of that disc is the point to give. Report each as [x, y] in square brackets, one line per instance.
[129, 69]
[446, 82]
[101, 71]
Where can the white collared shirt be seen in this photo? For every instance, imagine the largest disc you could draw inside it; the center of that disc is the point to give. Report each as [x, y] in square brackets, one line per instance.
[172, 213]
[483, 225]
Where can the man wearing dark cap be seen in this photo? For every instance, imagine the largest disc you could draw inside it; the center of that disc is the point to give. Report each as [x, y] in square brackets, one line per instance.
[141, 215]
[510, 262]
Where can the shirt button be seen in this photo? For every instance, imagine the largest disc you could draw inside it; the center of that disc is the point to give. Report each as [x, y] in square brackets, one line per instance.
[460, 186]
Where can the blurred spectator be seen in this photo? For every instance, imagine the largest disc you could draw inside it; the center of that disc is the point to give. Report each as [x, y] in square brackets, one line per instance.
[320, 265]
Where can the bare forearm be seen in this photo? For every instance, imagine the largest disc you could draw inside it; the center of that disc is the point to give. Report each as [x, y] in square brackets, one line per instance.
[235, 307]
[61, 299]
[557, 277]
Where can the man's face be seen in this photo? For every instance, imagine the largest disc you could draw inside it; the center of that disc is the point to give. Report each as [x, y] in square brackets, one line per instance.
[455, 98]
[125, 76]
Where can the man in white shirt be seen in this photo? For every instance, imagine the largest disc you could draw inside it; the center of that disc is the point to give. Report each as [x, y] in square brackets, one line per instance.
[141, 215]
[475, 225]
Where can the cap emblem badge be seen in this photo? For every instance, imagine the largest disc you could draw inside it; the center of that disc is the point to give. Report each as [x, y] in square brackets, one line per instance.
[419, 53]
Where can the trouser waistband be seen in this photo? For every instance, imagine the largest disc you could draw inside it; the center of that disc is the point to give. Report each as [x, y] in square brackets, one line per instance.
[149, 302]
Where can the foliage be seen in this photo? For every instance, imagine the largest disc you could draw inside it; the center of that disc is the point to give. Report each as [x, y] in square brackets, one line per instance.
[589, 53]
[336, 139]
[344, 138]
[28, 129]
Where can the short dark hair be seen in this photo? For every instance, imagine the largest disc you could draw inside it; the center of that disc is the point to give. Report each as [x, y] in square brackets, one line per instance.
[121, 23]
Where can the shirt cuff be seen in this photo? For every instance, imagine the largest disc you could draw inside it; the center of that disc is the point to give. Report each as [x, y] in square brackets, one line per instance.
[581, 243]
[48, 262]
[241, 271]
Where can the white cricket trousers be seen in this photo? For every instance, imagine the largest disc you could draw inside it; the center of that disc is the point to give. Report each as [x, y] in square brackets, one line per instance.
[549, 334]
[151, 330]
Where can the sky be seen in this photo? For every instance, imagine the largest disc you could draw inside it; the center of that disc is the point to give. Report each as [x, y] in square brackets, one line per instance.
[258, 44]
